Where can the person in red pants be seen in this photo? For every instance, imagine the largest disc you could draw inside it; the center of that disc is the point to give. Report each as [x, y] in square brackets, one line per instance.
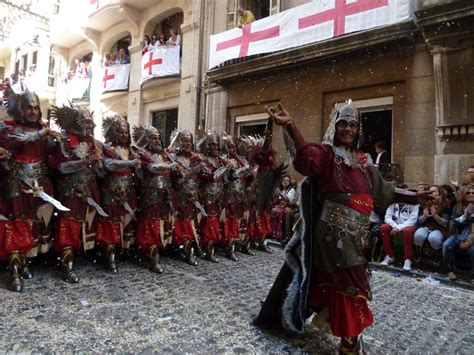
[400, 219]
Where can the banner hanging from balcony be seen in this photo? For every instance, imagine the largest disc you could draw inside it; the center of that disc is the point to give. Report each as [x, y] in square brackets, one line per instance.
[159, 62]
[115, 77]
[312, 22]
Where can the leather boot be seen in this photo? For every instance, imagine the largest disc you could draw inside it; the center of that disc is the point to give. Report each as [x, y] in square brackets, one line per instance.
[154, 256]
[351, 345]
[189, 253]
[25, 270]
[199, 252]
[245, 249]
[210, 253]
[67, 264]
[264, 247]
[231, 252]
[15, 282]
[111, 266]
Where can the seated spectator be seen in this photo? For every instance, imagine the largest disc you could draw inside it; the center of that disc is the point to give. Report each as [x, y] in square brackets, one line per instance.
[174, 40]
[400, 220]
[245, 16]
[284, 205]
[124, 58]
[146, 44]
[433, 222]
[154, 40]
[462, 237]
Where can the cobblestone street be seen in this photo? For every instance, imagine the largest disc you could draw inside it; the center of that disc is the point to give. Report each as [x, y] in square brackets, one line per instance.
[208, 309]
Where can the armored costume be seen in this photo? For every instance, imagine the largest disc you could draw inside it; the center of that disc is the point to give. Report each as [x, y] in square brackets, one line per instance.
[212, 188]
[325, 269]
[27, 139]
[78, 159]
[235, 188]
[154, 229]
[186, 200]
[117, 191]
[260, 192]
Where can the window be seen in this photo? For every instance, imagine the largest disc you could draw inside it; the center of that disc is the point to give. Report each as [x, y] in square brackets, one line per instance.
[51, 70]
[166, 121]
[250, 125]
[34, 61]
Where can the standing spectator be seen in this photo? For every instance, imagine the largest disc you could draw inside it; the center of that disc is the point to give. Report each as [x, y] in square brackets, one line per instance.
[146, 44]
[463, 234]
[118, 57]
[400, 219]
[87, 73]
[470, 175]
[162, 40]
[383, 157]
[124, 58]
[107, 60]
[175, 39]
[433, 222]
[154, 40]
[113, 58]
[246, 16]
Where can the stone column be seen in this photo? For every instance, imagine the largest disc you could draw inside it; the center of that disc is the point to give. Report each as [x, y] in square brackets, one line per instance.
[135, 104]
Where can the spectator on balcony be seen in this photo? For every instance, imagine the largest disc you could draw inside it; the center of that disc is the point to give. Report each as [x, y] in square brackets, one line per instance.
[124, 57]
[162, 40]
[154, 40]
[245, 16]
[175, 39]
[118, 58]
[146, 44]
[107, 60]
[87, 73]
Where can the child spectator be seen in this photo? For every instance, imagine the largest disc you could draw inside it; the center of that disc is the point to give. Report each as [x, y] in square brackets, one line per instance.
[154, 40]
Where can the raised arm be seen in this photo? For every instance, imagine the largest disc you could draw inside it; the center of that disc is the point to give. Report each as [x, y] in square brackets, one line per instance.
[280, 116]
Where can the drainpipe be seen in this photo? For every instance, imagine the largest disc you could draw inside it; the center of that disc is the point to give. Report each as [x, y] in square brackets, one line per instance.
[199, 68]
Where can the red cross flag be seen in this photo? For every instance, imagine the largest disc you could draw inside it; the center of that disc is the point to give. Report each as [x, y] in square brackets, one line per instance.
[311, 22]
[160, 62]
[115, 77]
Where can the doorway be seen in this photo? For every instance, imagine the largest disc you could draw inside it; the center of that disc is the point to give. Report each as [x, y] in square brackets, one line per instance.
[377, 126]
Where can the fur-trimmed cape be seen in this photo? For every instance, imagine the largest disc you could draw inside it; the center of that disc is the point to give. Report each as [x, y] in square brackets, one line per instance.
[285, 307]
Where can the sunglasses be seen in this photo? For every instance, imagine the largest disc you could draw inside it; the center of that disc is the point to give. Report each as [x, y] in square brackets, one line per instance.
[470, 193]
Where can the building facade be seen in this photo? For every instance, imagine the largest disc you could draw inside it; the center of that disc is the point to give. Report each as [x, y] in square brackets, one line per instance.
[410, 80]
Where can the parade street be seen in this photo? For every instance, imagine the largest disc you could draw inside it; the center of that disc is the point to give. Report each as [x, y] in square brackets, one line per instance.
[209, 308]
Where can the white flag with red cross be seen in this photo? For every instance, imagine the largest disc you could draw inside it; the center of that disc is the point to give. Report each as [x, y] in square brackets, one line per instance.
[308, 23]
[115, 77]
[160, 62]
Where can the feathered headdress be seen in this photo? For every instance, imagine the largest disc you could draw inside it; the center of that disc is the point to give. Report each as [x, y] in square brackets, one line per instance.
[177, 135]
[71, 119]
[141, 134]
[209, 137]
[111, 125]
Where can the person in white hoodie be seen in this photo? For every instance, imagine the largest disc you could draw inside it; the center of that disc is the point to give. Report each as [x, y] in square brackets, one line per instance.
[400, 219]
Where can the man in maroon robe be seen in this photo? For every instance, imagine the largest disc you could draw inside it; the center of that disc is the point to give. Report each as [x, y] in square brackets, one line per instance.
[325, 270]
